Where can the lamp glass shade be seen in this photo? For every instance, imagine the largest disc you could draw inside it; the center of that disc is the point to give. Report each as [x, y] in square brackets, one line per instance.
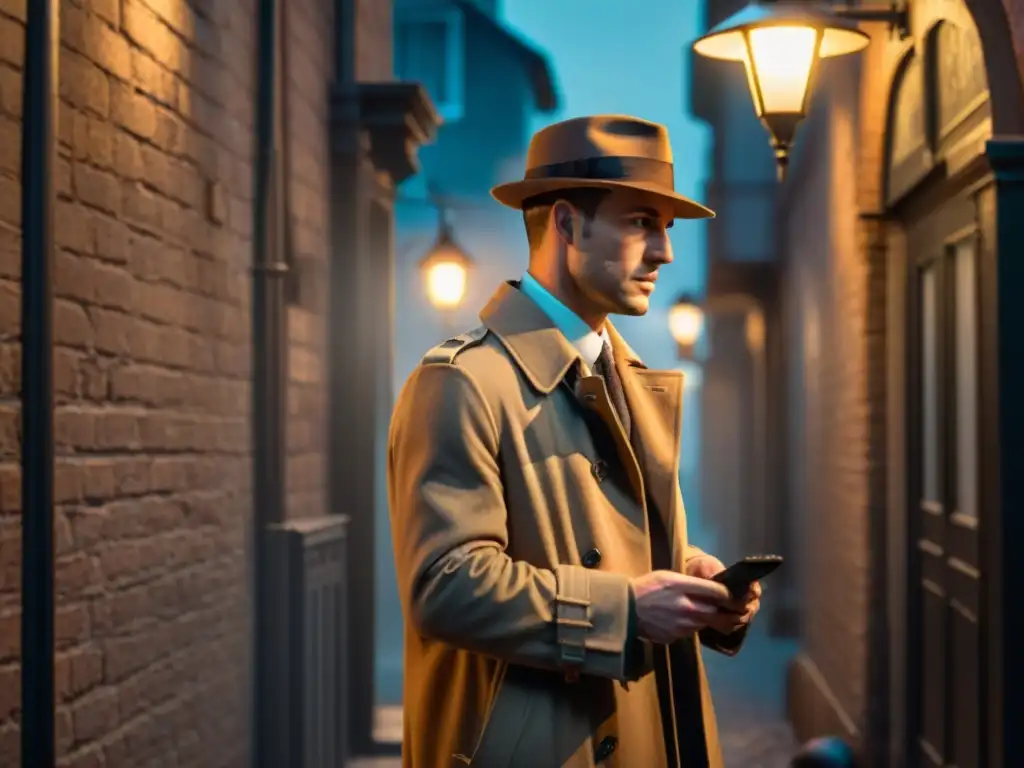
[446, 280]
[445, 269]
[779, 65]
[685, 323]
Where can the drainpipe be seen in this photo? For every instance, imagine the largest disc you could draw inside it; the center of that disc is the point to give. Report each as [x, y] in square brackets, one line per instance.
[38, 160]
[268, 362]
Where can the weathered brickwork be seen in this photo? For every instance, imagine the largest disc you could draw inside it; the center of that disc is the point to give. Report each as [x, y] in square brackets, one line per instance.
[309, 49]
[152, 293]
[843, 397]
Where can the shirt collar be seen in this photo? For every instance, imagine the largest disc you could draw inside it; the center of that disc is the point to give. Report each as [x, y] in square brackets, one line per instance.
[585, 339]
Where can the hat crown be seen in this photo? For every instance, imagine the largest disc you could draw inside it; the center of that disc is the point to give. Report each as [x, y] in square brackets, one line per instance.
[582, 138]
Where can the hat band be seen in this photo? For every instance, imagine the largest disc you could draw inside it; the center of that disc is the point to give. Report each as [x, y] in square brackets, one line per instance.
[609, 169]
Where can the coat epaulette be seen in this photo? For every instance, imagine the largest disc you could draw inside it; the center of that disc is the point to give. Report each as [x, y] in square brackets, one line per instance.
[447, 351]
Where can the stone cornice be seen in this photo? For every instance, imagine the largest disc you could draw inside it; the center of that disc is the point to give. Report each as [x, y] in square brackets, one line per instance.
[397, 117]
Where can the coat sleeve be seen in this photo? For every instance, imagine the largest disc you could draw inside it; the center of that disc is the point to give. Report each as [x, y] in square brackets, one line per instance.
[450, 533]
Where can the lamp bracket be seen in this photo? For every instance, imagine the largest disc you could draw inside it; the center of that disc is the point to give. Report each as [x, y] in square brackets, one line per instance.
[897, 16]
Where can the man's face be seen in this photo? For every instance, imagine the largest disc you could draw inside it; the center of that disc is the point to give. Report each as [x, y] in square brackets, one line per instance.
[614, 258]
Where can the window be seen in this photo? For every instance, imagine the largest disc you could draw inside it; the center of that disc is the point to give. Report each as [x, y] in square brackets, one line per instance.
[929, 385]
[965, 344]
[429, 50]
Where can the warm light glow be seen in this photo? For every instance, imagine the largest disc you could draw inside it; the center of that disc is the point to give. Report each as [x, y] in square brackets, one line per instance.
[779, 44]
[446, 283]
[779, 67]
[755, 331]
[685, 323]
[728, 41]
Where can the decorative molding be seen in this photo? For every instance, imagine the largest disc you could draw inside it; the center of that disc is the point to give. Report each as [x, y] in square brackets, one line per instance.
[396, 119]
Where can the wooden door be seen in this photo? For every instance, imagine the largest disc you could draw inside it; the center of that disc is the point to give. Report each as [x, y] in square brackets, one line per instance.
[944, 637]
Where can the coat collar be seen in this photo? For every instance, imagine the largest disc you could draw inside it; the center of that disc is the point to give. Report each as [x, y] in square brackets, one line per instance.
[534, 342]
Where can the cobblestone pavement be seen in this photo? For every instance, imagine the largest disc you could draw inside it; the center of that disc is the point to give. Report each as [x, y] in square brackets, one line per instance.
[749, 702]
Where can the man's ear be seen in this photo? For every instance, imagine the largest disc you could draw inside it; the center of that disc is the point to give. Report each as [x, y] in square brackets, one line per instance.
[565, 221]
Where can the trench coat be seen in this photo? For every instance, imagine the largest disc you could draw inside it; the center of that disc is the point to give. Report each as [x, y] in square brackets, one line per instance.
[514, 550]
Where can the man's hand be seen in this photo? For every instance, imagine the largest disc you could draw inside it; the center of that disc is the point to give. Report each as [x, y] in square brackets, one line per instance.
[734, 614]
[670, 605]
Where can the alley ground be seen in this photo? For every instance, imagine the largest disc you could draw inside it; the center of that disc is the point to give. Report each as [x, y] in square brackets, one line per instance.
[749, 699]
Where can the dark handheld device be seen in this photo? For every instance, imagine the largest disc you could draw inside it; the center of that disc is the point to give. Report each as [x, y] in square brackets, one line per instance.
[738, 577]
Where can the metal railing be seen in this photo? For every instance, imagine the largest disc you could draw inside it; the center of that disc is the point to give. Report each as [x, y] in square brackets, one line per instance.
[308, 645]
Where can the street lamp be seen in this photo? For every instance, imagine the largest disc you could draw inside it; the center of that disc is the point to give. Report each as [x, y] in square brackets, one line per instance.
[445, 269]
[446, 266]
[686, 323]
[780, 45]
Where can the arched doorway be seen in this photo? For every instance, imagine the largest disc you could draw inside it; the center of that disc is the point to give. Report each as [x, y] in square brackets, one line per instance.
[941, 195]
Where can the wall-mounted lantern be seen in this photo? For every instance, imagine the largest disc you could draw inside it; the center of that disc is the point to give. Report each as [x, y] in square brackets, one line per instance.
[781, 45]
[445, 269]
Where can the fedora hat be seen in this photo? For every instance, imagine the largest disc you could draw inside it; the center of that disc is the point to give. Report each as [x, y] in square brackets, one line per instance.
[604, 151]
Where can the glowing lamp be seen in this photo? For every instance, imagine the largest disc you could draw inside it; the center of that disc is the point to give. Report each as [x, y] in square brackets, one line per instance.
[445, 271]
[686, 322]
[780, 44]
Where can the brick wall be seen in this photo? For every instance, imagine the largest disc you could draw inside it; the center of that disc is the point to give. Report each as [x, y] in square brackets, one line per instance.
[309, 57]
[834, 284]
[152, 328]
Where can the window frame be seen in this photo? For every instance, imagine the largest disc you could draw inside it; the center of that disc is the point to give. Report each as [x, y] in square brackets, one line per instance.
[452, 108]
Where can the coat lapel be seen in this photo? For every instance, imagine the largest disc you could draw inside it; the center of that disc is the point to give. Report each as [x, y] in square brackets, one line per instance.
[545, 356]
[655, 401]
[655, 398]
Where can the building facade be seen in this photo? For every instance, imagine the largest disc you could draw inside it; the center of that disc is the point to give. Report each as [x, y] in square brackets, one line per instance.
[489, 85]
[155, 230]
[898, 245]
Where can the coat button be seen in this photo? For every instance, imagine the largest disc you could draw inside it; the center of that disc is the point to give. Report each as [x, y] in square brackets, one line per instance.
[605, 748]
[592, 558]
[599, 469]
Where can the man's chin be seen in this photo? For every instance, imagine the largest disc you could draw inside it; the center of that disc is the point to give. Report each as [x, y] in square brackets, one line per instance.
[634, 306]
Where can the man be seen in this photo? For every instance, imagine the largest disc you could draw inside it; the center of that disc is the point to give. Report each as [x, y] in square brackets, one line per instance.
[553, 606]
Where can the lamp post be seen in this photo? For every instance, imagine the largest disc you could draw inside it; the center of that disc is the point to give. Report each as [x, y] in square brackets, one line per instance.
[781, 44]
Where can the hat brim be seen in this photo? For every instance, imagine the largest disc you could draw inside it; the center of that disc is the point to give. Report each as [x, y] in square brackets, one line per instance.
[514, 193]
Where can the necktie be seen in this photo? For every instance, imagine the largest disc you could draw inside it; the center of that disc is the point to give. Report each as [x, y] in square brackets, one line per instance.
[605, 368]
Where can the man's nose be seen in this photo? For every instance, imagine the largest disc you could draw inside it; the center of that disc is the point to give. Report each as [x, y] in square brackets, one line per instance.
[659, 250]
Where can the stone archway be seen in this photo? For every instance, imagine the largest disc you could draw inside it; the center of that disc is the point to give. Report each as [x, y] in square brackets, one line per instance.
[1002, 49]
[1000, 25]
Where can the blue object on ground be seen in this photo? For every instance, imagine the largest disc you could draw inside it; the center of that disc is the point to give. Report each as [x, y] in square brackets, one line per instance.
[826, 752]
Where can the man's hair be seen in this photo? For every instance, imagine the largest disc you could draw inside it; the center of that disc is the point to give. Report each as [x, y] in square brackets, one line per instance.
[536, 209]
